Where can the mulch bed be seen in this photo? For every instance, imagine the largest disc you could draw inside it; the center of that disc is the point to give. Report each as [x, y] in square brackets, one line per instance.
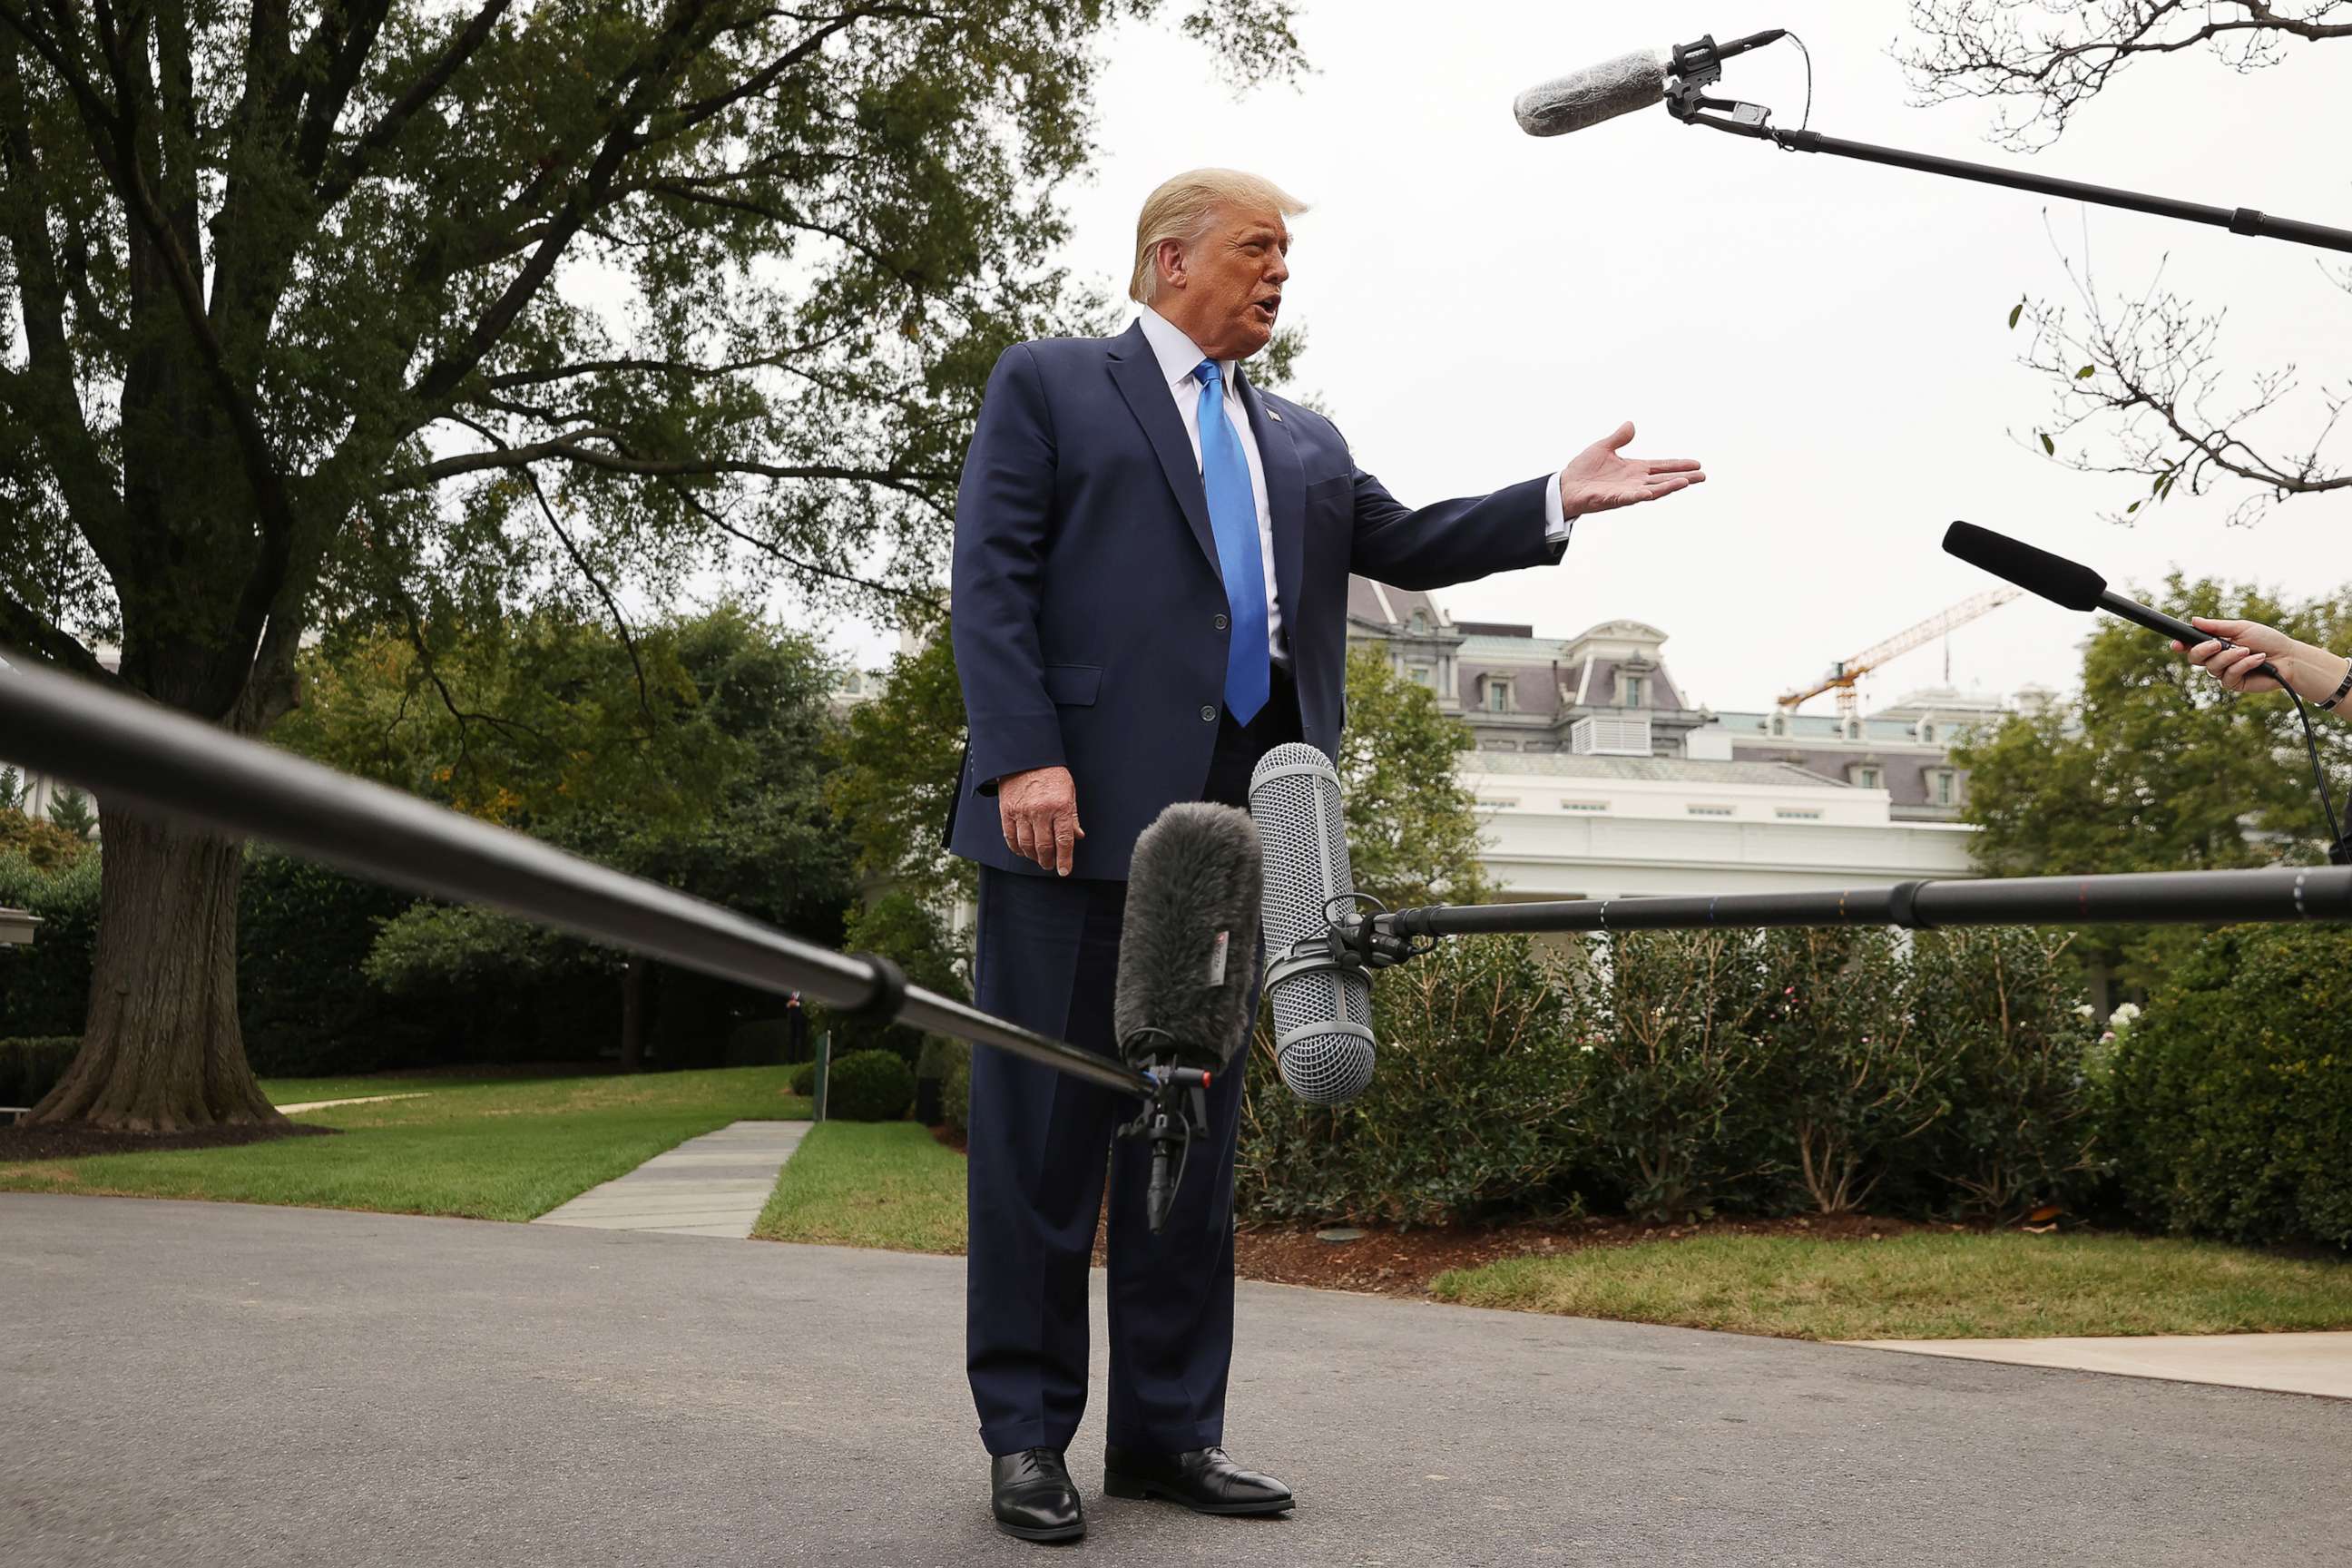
[1386, 1262]
[78, 1141]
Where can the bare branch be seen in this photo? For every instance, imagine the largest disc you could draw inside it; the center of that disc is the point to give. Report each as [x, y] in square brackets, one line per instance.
[2046, 59]
[2144, 372]
[719, 520]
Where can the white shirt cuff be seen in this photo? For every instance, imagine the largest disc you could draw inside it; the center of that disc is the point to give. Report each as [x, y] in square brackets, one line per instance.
[1558, 525]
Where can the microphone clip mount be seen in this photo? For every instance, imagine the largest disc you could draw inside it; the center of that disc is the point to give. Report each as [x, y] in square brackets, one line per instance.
[1699, 66]
[1176, 1113]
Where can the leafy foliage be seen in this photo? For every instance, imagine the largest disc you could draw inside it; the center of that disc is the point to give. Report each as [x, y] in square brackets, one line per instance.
[901, 756]
[2156, 768]
[1468, 1114]
[2230, 1108]
[44, 988]
[869, 1086]
[71, 813]
[44, 845]
[1412, 828]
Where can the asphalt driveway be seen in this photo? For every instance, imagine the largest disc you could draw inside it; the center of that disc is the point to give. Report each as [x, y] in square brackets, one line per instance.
[193, 1383]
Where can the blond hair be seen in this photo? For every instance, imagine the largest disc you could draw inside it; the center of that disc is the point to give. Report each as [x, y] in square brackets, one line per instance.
[1181, 208]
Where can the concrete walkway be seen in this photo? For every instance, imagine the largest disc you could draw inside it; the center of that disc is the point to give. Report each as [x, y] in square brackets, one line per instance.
[2290, 1364]
[712, 1185]
[356, 1100]
[204, 1385]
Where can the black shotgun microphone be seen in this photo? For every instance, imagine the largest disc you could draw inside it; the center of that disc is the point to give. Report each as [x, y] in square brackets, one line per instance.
[1188, 945]
[2067, 583]
[1620, 86]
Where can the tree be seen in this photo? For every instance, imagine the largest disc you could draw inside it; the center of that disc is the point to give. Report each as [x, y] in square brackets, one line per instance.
[901, 754]
[395, 309]
[2155, 768]
[1412, 828]
[69, 810]
[722, 796]
[2139, 373]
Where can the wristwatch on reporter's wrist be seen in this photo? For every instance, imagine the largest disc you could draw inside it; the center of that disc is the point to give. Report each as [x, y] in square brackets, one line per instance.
[2342, 688]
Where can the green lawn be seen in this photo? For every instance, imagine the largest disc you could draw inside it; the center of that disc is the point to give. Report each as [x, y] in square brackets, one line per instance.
[488, 1147]
[1925, 1285]
[869, 1184]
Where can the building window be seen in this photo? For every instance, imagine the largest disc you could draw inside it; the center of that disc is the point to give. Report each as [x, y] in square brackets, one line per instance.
[1708, 810]
[1633, 692]
[1797, 813]
[1867, 778]
[1584, 805]
[1421, 623]
[1498, 695]
[1420, 673]
[1499, 802]
[1780, 725]
[1946, 785]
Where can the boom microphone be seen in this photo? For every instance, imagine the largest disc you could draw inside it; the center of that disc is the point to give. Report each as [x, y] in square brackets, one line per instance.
[1188, 946]
[1593, 94]
[1322, 1012]
[2067, 583]
[1620, 86]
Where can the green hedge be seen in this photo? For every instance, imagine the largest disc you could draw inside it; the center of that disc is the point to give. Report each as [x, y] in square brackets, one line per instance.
[1679, 1075]
[29, 1069]
[2229, 1107]
[869, 1086]
[45, 985]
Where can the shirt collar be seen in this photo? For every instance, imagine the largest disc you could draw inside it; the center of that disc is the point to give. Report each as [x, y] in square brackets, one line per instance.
[1178, 354]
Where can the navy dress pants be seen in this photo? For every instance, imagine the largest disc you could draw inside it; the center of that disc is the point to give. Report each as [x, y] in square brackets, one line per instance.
[1042, 1152]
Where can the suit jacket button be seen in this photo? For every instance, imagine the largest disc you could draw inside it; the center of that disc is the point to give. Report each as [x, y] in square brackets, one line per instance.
[1222, 623]
[1208, 712]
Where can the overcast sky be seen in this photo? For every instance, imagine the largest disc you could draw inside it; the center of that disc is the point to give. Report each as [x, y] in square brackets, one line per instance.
[1826, 334]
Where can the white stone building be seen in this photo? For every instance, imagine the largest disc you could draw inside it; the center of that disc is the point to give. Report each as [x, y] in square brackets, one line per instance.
[1597, 777]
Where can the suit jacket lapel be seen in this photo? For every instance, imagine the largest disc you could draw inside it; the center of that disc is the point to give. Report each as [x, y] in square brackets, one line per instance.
[1136, 372]
[1285, 497]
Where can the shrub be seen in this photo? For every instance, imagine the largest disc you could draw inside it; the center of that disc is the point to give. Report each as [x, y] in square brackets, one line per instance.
[303, 998]
[955, 1095]
[1851, 1085]
[45, 987]
[870, 1086]
[1468, 1114]
[803, 1079]
[1997, 1008]
[1677, 1101]
[2230, 1108]
[29, 1069]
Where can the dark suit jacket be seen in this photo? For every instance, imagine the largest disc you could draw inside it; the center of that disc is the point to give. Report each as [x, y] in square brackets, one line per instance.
[1089, 612]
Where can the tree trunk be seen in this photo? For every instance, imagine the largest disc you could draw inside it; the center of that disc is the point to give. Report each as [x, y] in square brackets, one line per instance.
[162, 1051]
[632, 1016]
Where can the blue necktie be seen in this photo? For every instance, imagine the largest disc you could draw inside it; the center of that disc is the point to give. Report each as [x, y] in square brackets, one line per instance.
[1232, 517]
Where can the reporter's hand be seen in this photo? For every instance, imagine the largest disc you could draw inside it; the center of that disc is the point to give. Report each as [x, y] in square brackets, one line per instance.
[1039, 810]
[1599, 479]
[2314, 672]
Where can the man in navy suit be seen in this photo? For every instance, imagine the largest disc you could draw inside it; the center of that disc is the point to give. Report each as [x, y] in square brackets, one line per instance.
[1152, 563]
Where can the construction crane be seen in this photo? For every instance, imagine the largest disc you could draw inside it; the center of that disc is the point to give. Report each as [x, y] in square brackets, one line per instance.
[1843, 674]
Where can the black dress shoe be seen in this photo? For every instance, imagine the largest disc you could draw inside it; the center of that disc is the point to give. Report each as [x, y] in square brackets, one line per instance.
[1031, 1496]
[1204, 1481]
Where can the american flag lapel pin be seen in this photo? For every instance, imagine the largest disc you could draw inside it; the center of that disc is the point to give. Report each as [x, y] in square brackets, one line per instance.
[1274, 416]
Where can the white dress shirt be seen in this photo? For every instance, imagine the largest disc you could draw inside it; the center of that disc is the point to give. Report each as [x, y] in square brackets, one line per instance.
[1179, 356]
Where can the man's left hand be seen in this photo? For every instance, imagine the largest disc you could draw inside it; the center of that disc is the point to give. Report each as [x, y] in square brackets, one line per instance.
[1601, 478]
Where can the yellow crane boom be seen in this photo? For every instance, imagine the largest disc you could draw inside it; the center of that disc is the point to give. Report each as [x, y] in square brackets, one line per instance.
[1846, 671]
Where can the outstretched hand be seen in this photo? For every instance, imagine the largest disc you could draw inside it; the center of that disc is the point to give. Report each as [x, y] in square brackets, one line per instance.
[1600, 479]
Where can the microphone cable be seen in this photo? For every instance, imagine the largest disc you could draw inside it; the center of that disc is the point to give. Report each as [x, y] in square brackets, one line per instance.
[2338, 852]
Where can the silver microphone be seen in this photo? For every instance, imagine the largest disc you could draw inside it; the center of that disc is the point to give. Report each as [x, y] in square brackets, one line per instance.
[1322, 1013]
[1593, 95]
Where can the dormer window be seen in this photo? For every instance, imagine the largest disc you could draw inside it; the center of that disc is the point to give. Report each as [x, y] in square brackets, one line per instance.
[1498, 694]
[1421, 623]
[1944, 786]
[1780, 725]
[1636, 690]
[1868, 777]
